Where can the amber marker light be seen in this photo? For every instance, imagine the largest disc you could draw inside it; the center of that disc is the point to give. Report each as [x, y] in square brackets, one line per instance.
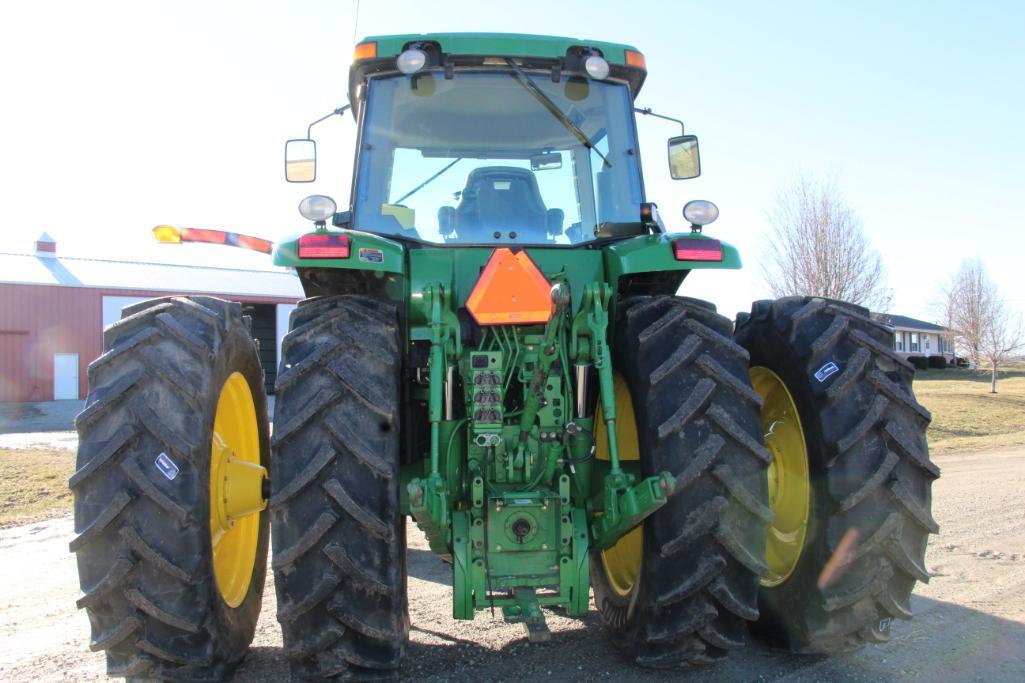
[364, 51]
[635, 59]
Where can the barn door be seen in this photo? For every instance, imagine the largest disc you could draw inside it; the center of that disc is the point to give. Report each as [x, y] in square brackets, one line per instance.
[65, 376]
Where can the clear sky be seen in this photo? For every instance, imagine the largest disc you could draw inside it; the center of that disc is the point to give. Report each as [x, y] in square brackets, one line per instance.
[117, 116]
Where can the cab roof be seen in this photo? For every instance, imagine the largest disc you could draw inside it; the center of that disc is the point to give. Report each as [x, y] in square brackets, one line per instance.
[455, 50]
[500, 44]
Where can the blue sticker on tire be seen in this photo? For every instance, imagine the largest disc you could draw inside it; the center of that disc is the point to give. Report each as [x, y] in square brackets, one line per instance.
[166, 466]
[827, 371]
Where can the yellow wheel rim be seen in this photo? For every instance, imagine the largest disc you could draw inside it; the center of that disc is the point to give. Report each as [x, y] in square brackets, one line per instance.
[789, 483]
[622, 562]
[236, 490]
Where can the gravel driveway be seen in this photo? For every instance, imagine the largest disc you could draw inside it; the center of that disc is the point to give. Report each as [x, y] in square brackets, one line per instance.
[969, 623]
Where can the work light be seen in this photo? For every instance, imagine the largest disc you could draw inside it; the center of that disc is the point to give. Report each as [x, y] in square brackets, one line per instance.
[411, 61]
[700, 212]
[317, 208]
[596, 67]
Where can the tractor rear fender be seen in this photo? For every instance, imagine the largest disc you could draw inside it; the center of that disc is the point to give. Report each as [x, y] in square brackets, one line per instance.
[373, 266]
[648, 264]
[366, 252]
[651, 253]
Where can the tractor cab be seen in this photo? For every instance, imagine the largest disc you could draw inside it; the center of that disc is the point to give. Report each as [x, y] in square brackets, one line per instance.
[532, 142]
[489, 158]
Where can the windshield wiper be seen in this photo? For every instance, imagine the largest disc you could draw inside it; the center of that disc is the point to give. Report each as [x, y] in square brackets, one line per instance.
[524, 80]
[426, 182]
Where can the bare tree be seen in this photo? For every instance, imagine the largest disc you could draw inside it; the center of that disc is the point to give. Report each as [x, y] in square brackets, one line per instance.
[819, 248]
[1003, 337]
[981, 322]
[965, 304]
[950, 340]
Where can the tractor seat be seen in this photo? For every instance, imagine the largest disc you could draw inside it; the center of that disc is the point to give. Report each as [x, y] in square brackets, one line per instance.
[502, 198]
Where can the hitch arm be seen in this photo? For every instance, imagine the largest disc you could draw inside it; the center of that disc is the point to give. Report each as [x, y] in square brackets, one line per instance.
[626, 508]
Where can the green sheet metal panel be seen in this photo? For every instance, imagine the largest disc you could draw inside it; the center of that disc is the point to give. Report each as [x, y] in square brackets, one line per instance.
[648, 253]
[511, 44]
[458, 269]
[366, 252]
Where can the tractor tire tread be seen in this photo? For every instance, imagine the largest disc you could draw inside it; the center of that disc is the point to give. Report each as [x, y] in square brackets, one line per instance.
[144, 604]
[697, 418]
[146, 578]
[144, 551]
[339, 542]
[111, 580]
[871, 474]
[324, 456]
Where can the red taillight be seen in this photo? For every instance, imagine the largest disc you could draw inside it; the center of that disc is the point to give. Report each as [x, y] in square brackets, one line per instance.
[324, 245]
[697, 249]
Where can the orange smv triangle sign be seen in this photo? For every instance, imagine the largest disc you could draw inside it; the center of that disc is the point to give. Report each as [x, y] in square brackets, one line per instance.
[510, 291]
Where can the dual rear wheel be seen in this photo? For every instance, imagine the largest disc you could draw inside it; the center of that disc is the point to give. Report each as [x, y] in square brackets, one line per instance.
[172, 536]
[681, 588]
[836, 503]
[827, 370]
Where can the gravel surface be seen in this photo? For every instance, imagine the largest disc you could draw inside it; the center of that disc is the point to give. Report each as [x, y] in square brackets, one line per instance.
[39, 416]
[42, 424]
[969, 623]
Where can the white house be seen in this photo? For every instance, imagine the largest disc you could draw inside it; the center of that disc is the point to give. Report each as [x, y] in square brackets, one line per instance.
[913, 337]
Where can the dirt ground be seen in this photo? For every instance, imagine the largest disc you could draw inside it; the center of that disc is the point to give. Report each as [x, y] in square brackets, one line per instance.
[969, 620]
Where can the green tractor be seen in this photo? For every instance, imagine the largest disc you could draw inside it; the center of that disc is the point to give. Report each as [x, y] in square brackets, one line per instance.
[493, 346]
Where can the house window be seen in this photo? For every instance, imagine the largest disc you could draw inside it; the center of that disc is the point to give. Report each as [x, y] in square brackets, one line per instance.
[914, 342]
[898, 341]
[927, 339]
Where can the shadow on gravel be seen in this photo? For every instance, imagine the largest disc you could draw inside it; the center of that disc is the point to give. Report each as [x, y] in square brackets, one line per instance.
[39, 416]
[945, 642]
[263, 665]
[426, 566]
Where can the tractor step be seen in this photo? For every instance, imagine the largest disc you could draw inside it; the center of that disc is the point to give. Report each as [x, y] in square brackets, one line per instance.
[528, 612]
[537, 632]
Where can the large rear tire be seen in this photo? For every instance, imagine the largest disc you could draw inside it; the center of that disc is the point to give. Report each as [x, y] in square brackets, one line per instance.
[681, 590]
[868, 474]
[339, 540]
[169, 593]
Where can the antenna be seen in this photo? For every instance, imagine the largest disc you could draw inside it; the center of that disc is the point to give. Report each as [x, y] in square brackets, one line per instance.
[355, 21]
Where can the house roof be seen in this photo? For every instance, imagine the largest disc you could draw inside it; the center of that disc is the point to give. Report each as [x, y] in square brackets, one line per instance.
[903, 322]
[65, 271]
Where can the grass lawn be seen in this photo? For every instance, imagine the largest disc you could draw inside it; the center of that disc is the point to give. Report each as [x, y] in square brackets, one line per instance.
[34, 485]
[965, 415]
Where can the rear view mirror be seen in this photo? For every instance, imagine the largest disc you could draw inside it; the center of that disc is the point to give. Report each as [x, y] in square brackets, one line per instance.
[545, 162]
[684, 160]
[300, 161]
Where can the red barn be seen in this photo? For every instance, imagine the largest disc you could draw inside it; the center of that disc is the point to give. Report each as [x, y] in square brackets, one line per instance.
[53, 310]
